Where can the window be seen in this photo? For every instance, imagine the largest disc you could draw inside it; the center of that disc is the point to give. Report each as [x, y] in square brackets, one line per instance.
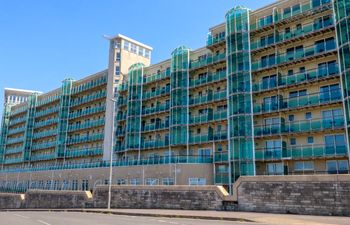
[141, 51]
[117, 70]
[122, 181]
[291, 118]
[303, 165]
[133, 48]
[286, 12]
[308, 115]
[126, 45]
[205, 153]
[117, 56]
[330, 92]
[152, 181]
[273, 145]
[134, 181]
[168, 181]
[197, 181]
[337, 166]
[310, 140]
[335, 144]
[269, 81]
[117, 45]
[85, 185]
[296, 8]
[293, 141]
[147, 53]
[274, 169]
[270, 103]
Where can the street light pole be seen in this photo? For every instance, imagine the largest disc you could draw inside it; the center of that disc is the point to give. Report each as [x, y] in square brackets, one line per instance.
[111, 157]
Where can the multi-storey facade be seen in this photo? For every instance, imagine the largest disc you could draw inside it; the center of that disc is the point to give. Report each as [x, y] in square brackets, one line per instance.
[266, 95]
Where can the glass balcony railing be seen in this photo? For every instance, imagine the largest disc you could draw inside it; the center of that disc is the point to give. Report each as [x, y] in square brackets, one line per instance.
[222, 179]
[43, 145]
[43, 157]
[86, 112]
[295, 33]
[47, 112]
[204, 138]
[123, 87]
[216, 96]
[122, 102]
[210, 59]
[121, 116]
[278, 17]
[16, 130]
[146, 144]
[300, 101]
[11, 141]
[211, 77]
[86, 125]
[294, 56]
[13, 150]
[301, 152]
[46, 133]
[18, 120]
[214, 40]
[19, 110]
[298, 78]
[221, 157]
[156, 109]
[300, 126]
[157, 92]
[205, 118]
[88, 98]
[155, 126]
[13, 160]
[72, 153]
[85, 138]
[48, 100]
[89, 85]
[46, 122]
[102, 164]
[156, 76]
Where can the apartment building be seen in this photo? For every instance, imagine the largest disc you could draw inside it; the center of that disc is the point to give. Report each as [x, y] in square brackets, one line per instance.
[267, 95]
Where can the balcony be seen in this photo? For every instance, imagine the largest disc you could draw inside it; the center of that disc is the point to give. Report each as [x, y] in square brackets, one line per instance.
[13, 160]
[88, 98]
[299, 78]
[43, 157]
[156, 143]
[306, 31]
[157, 93]
[46, 112]
[204, 138]
[86, 112]
[11, 141]
[280, 18]
[222, 179]
[301, 126]
[85, 138]
[210, 78]
[206, 118]
[156, 109]
[74, 153]
[48, 100]
[89, 85]
[221, 157]
[294, 56]
[123, 87]
[209, 60]
[16, 130]
[204, 99]
[214, 41]
[315, 99]
[155, 126]
[157, 76]
[301, 152]
[19, 110]
[46, 133]
[45, 123]
[121, 116]
[9, 151]
[18, 121]
[86, 125]
[43, 145]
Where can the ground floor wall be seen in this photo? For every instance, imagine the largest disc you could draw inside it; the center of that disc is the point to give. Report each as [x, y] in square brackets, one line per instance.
[89, 178]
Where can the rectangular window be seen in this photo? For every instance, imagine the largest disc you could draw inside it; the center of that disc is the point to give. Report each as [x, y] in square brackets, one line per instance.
[152, 181]
[304, 165]
[141, 51]
[293, 141]
[197, 181]
[168, 181]
[337, 166]
[308, 115]
[126, 45]
[133, 48]
[117, 70]
[134, 181]
[147, 53]
[310, 140]
[274, 168]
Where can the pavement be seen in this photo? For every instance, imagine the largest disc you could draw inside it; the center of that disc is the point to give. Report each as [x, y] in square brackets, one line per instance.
[157, 216]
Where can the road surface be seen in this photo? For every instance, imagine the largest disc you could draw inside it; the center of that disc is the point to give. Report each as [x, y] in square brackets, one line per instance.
[73, 218]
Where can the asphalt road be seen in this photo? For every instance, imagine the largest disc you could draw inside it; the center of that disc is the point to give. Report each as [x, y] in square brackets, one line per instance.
[72, 218]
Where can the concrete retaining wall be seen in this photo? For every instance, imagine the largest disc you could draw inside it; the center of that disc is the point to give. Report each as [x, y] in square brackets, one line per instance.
[314, 195]
[56, 199]
[162, 197]
[11, 201]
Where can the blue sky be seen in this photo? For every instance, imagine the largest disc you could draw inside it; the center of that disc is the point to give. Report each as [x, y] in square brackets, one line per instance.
[44, 41]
